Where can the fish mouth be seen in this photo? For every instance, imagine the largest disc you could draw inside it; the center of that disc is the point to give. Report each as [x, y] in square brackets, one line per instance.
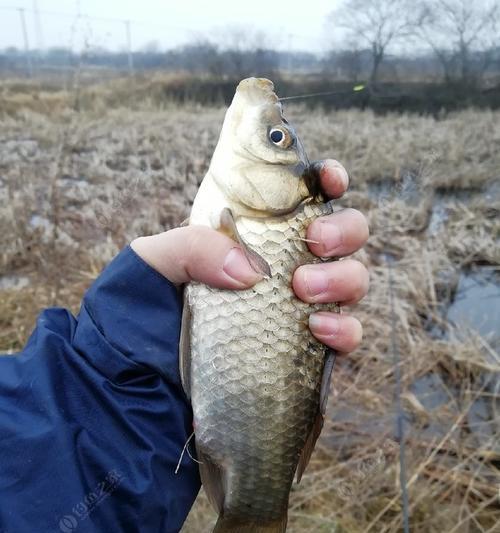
[309, 172]
[311, 177]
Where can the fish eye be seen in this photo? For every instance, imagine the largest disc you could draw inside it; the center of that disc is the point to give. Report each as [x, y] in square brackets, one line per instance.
[276, 136]
[280, 137]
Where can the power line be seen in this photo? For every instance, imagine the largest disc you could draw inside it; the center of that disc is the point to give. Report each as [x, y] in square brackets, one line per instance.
[77, 16]
[66, 14]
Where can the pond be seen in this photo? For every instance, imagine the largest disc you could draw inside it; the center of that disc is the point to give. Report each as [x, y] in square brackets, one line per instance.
[476, 304]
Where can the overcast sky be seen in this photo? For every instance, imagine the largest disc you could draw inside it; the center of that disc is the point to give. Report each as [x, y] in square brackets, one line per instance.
[299, 25]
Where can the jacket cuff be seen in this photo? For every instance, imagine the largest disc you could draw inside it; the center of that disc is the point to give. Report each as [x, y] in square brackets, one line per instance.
[131, 315]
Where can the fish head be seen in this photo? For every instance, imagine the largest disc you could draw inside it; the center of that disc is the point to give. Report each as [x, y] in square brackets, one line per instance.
[259, 163]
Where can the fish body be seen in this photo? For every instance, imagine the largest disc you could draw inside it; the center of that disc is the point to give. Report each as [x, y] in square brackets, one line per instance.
[254, 372]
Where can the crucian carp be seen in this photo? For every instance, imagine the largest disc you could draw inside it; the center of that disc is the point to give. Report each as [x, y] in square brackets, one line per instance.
[257, 378]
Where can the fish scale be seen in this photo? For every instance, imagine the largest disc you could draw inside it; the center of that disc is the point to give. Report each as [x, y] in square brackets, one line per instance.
[256, 370]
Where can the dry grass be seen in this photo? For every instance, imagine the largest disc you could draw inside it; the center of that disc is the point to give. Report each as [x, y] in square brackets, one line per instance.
[76, 187]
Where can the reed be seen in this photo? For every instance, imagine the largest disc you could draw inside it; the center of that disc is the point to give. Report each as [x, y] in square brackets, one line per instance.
[427, 188]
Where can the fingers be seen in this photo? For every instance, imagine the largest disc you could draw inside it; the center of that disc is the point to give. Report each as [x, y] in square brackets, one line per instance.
[340, 332]
[345, 282]
[339, 234]
[333, 177]
[197, 253]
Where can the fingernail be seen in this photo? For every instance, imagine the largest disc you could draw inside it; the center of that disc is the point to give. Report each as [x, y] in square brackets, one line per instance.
[327, 234]
[333, 167]
[237, 267]
[315, 280]
[342, 172]
[324, 324]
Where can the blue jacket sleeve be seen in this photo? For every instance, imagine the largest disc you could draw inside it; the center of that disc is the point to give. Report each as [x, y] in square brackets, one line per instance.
[93, 418]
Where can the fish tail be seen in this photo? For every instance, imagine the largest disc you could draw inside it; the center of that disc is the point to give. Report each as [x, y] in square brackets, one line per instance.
[239, 525]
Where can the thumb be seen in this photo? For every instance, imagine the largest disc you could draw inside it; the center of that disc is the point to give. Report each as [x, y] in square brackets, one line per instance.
[197, 253]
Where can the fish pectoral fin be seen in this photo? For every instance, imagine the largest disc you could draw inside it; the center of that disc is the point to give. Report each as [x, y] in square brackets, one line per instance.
[228, 226]
[212, 480]
[319, 420]
[185, 347]
[308, 448]
[184, 223]
[331, 355]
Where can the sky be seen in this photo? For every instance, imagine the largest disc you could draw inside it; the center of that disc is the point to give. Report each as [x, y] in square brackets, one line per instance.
[294, 25]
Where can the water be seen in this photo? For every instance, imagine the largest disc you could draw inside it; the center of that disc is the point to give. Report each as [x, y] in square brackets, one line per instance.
[12, 282]
[492, 190]
[439, 216]
[431, 391]
[476, 304]
[436, 396]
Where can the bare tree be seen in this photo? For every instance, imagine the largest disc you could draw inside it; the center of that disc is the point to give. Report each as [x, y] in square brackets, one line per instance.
[380, 24]
[198, 57]
[232, 51]
[244, 50]
[350, 62]
[345, 64]
[463, 35]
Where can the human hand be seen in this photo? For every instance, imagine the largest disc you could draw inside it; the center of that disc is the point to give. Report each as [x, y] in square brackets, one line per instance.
[198, 253]
[346, 282]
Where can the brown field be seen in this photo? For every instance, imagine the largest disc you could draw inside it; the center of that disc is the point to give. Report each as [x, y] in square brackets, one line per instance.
[78, 186]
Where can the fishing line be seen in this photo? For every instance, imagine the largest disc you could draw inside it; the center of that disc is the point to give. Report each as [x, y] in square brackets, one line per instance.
[186, 449]
[303, 239]
[399, 413]
[355, 89]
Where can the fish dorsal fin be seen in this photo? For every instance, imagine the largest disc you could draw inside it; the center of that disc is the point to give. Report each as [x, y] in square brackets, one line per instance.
[309, 445]
[319, 420]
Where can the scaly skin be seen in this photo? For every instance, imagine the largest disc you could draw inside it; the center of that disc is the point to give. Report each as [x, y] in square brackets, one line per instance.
[256, 370]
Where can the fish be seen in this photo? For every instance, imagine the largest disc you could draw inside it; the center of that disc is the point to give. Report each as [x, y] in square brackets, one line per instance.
[256, 377]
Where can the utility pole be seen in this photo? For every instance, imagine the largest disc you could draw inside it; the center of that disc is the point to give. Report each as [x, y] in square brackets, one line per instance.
[29, 64]
[38, 27]
[289, 62]
[129, 48]
[37, 57]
